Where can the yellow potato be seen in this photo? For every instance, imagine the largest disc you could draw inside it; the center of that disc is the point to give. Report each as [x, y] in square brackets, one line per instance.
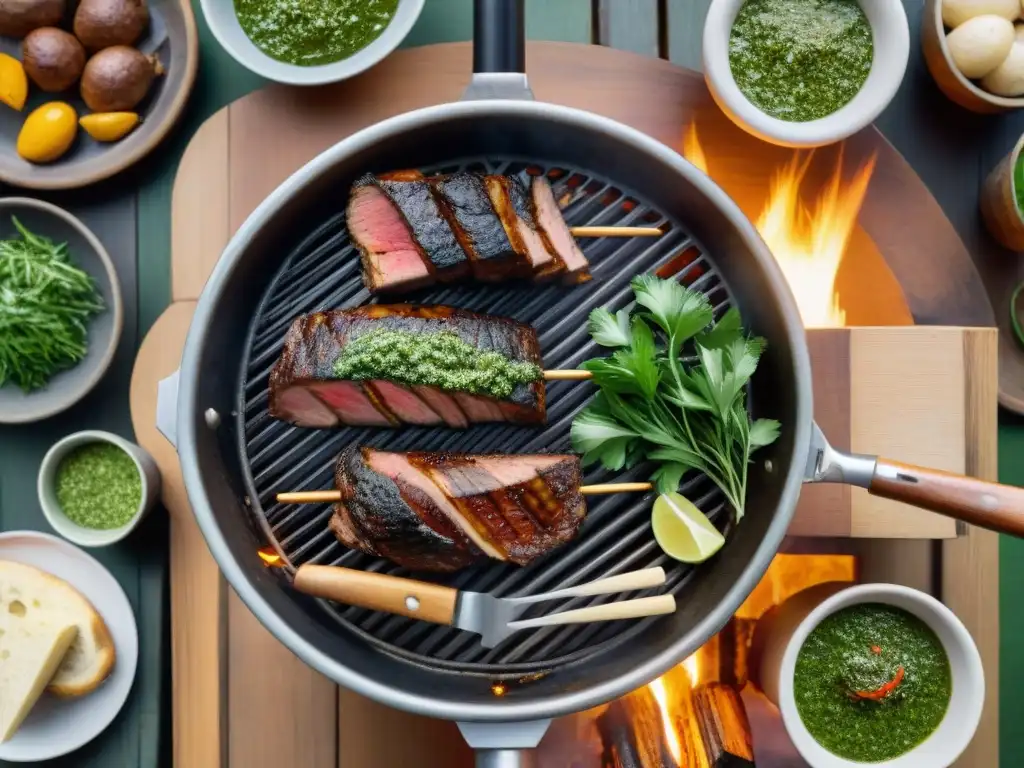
[13, 82]
[956, 12]
[109, 126]
[48, 132]
[1008, 78]
[979, 45]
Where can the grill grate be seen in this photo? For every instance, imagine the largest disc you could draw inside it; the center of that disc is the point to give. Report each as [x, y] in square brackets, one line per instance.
[322, 272]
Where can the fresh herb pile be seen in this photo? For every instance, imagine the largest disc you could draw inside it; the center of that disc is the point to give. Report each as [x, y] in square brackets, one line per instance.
[45, 305]
[673, 391]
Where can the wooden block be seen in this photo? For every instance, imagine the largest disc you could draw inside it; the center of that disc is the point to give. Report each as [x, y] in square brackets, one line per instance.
[907, 394]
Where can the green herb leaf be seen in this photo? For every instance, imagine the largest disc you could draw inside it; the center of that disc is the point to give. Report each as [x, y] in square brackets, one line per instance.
[680, 312]
[681, 413]
[610, 330]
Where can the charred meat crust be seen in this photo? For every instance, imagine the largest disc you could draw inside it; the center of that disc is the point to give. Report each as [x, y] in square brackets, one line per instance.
[394, 518]
[315, 341]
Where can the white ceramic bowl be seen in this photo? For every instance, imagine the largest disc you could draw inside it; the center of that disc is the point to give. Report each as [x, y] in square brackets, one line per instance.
[220, 16]
[45, 487]
[891, 38]
[778, 644]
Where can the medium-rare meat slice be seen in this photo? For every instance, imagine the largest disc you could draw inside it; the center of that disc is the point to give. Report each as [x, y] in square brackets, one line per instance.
[392, 259]
[556, 232]
[411, 194]
[511, 202]
[467, 206]
[442, 511]
[386, 365]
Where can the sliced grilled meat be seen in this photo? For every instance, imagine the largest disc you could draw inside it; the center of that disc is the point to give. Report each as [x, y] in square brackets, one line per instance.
[556, 232]
[306, 390]
[411, 194]
[467, 206]
[392, 259]
[442, 511]
[511, 202]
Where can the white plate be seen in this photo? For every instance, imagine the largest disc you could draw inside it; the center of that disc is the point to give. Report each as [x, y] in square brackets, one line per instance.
[56, 726]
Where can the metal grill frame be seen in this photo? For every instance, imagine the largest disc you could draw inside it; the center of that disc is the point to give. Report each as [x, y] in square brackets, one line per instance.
[323, 272]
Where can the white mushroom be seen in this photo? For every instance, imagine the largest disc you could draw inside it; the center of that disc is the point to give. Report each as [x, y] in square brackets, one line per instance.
[979, 45]
[956, 12]
[1008, 78]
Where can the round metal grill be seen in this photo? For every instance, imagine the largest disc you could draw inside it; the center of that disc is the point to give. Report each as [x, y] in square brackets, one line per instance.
[323, 272]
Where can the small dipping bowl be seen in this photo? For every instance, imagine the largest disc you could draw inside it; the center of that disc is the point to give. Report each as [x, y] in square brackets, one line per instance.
[781, 633]
[891, 39]
[998, 200]
[46, 486]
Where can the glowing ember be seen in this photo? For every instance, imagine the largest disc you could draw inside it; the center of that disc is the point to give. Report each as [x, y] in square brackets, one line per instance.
[808, 242]
[498, 689]
[269, 557]
[675, 746]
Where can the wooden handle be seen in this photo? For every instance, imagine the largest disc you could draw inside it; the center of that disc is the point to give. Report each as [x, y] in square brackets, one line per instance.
[616, 232]
[988, 505]
[623, 582]
[624, 609]
[391, 594]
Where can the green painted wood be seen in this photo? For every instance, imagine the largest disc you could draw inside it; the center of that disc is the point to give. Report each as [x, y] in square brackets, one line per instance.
[685, 21]
[1011, 617]
[629, 25]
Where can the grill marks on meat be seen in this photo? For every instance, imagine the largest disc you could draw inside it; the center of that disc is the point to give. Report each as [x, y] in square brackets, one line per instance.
[305, 391]
[442, 511]
[469, 211]
[413, 231]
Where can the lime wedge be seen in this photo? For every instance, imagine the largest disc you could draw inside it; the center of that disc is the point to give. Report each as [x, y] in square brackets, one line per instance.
[683, 531]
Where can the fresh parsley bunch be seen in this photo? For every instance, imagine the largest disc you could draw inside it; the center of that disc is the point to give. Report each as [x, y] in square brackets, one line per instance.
[657, 404]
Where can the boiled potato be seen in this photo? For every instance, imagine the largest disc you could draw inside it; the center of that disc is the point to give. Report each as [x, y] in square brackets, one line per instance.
[1008, 78]
[979, 45]
[956, 12]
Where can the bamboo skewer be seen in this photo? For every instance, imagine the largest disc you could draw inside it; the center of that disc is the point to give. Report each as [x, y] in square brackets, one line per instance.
[567, 375]
[322, 497]
[616, 231]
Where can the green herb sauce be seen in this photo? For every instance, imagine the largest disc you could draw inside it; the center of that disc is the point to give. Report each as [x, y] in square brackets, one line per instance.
[313, 32]
[862, 648]
[1018, 183]
[98, 486]
[800, 60]
[441, 360]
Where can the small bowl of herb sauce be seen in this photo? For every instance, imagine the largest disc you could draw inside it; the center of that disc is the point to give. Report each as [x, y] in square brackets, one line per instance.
[312, 42]
[805, 73]
[94, 487]
[874, 673]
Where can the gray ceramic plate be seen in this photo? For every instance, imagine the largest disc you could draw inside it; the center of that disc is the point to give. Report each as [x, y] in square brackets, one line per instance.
[87, 252]
[172, 36]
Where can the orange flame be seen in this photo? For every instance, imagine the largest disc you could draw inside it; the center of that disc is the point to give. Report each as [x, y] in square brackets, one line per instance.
[668, 728]
[808, 242]
[269, 557]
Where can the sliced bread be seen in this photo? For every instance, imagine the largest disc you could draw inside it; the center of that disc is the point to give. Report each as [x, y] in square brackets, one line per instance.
[31, 649]
[38, 594]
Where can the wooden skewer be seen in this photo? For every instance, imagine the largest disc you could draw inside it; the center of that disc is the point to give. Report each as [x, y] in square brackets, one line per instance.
[567, 375]
[320, 497]
[616, 231]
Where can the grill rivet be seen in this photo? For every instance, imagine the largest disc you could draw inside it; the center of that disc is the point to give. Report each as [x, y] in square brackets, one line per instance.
[412, 603]
[768, 466]
[212, 418]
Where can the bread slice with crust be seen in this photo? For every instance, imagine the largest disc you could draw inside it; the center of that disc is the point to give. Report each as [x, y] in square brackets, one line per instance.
[90, 658]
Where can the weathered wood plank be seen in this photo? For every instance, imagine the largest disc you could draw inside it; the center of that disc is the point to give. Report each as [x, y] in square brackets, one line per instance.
[630, 25]
[685, 28]
[447, 21]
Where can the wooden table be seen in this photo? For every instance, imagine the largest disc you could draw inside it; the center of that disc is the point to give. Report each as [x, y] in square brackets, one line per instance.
[952, 151]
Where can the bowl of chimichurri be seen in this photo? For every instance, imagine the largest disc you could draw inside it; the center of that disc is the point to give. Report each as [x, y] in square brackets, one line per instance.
[804, 73]
[310, 42]
[876, 673]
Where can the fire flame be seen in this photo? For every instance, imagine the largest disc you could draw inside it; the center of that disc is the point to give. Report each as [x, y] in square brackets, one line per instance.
[668, 728]
[808, 242]
[269, 557]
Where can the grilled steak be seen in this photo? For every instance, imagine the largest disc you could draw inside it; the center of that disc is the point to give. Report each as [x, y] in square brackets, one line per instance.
[389, 390]
[468, 208]
[442, 511]
[511, 202]
[556, 232]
